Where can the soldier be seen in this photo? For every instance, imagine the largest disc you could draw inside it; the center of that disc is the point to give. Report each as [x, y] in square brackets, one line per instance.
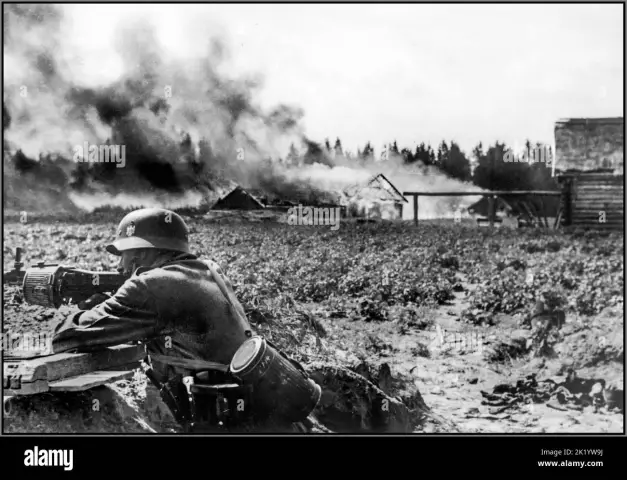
[183, 308]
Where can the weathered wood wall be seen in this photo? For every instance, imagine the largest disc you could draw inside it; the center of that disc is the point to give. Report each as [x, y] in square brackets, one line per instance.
[594, 200]
[589, 144]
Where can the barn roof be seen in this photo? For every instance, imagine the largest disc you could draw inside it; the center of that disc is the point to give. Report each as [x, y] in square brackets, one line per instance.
[238, 198]
[382, 185]
[293, 197]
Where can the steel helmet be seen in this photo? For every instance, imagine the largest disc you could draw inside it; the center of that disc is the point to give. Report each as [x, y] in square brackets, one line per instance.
[151, 228]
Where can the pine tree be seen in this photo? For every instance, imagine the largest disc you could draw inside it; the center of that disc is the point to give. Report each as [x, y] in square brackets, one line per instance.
[422, 155]
[368, 152]
[430, 155]
[338, 148]
[408, 156]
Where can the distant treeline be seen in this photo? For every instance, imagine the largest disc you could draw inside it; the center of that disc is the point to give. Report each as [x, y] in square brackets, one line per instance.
[486, 168]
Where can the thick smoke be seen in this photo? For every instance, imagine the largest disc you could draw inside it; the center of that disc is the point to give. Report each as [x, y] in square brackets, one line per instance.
[188, 130]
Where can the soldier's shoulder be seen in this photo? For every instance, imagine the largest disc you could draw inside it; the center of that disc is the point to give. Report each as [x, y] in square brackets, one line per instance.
[177, 267]
[143, 274]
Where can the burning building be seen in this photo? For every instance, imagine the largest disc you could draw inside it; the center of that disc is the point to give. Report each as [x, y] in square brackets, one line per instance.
[378, 198]
[238, 199]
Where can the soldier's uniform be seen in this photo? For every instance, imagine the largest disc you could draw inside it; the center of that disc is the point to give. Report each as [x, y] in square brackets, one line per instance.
[177, 307]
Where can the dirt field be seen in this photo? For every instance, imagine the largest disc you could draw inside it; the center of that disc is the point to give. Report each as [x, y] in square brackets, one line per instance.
[368, 300]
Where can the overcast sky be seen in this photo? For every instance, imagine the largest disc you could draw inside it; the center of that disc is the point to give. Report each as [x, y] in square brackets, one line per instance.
[376, 73]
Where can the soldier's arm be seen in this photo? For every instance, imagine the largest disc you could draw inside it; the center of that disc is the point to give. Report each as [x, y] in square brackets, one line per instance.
[127, 316]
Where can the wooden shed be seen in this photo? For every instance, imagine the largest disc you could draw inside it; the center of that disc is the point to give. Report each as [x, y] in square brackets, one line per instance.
[378, 198]
[589, 165]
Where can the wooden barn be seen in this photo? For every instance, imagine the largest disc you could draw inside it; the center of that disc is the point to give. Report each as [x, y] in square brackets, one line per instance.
[589, 166]
[378, 198]
[238, 199]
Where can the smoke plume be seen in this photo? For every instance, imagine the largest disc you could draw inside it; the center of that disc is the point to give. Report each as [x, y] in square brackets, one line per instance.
[188, 131]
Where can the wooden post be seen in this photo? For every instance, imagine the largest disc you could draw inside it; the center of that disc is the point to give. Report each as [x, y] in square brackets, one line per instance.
[567, 198]
[558, 219]
[542, 206]
[415, 209]
[491, 210]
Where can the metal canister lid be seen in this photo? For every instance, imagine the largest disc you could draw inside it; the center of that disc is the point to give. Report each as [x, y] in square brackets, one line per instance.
[246, 354]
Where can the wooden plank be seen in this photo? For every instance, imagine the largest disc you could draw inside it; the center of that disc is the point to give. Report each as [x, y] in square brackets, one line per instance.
[615, 199]
[610, 179]
[596, 225]
[12, 383]
[609, 216]
[89, 380]
[484, 194]
[599, 193]
[72, 364]
[595, 209]
[595, 203]
[610, 192]
[595, 219]
[35, 374]
[32, 388]
[594, 213]
[583, 176]
[592, 202]
[591, 206]
[605, 228]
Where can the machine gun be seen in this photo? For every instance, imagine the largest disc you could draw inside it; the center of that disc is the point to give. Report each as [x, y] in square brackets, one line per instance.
[51, 285]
